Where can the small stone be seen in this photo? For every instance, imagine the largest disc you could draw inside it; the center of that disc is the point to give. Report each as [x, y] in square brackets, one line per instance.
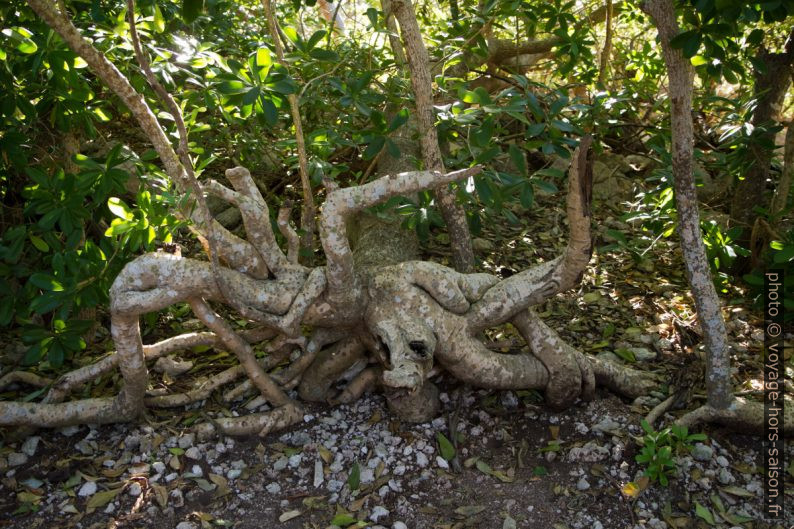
[68, 431]
[378, 512]
[367, 475]
[178, 499]
[193, 453]
[725, 477]
[702, 452]
[171, 477]
[30, 445]
[295, 460]
[158, 466]
[234, 473]
[643, 354]
[273, 488]
[186, 441]
[280, 464]
[88, 489]
[196, 470]
[16, 458]
[509, 400]
[607, 425]
[135, 489]
[722, 461]
[582, 484]
[421, 459]
[186, 525]
[441, 462]
[399, 525]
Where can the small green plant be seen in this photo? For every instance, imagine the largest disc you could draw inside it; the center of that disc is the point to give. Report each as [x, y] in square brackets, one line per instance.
[659, 447]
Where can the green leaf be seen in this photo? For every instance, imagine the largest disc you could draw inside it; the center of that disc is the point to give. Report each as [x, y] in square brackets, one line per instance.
[445, 447]
[159, 21]
[527, 196]
[45, 282]
[21, 37]
[354, 479]
[324, 55]
[55, 354]
[191, 9]
[374, 147]
[704, 513]
[343, 519]
[264, 57]
[399, 120]
[119, 208]
[39, 243]
[518, 159]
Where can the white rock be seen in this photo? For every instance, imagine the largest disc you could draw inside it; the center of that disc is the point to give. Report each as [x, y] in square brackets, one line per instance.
[158, 466]
[421, 459]
[186, 441]
[135, 489]
[280, 464]
[16, 458]
[30, 445]
[193, 453]
[378, 512]
[399, 525]
[367, 475]
[186, 525]
[234, 473]
[441, 462]
[273, 488]
[171, 477]
[88, 489]
[582, 484]
[295, 460]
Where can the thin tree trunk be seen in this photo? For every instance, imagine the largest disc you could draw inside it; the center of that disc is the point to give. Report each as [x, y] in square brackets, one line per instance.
[769, 88]
[308, 208]
[394, 33]
[606, 51]
[681, 79]
[787, 178]
[419, 66]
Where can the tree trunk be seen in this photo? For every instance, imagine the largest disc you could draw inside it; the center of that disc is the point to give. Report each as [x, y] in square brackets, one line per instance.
[769, 89]
[681, 75]
[787, 178]
[419, 66]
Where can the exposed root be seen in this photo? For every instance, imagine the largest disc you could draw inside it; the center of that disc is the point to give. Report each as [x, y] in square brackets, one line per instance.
[24, 377]
[260, 424]
[329, 365]
[289, 233]
[566, 381]
[245, 354]
[742, 415]
[660, 410]
[365, 381]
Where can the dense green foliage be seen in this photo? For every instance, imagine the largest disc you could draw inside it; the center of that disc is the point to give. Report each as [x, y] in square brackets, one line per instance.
[83, 193]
